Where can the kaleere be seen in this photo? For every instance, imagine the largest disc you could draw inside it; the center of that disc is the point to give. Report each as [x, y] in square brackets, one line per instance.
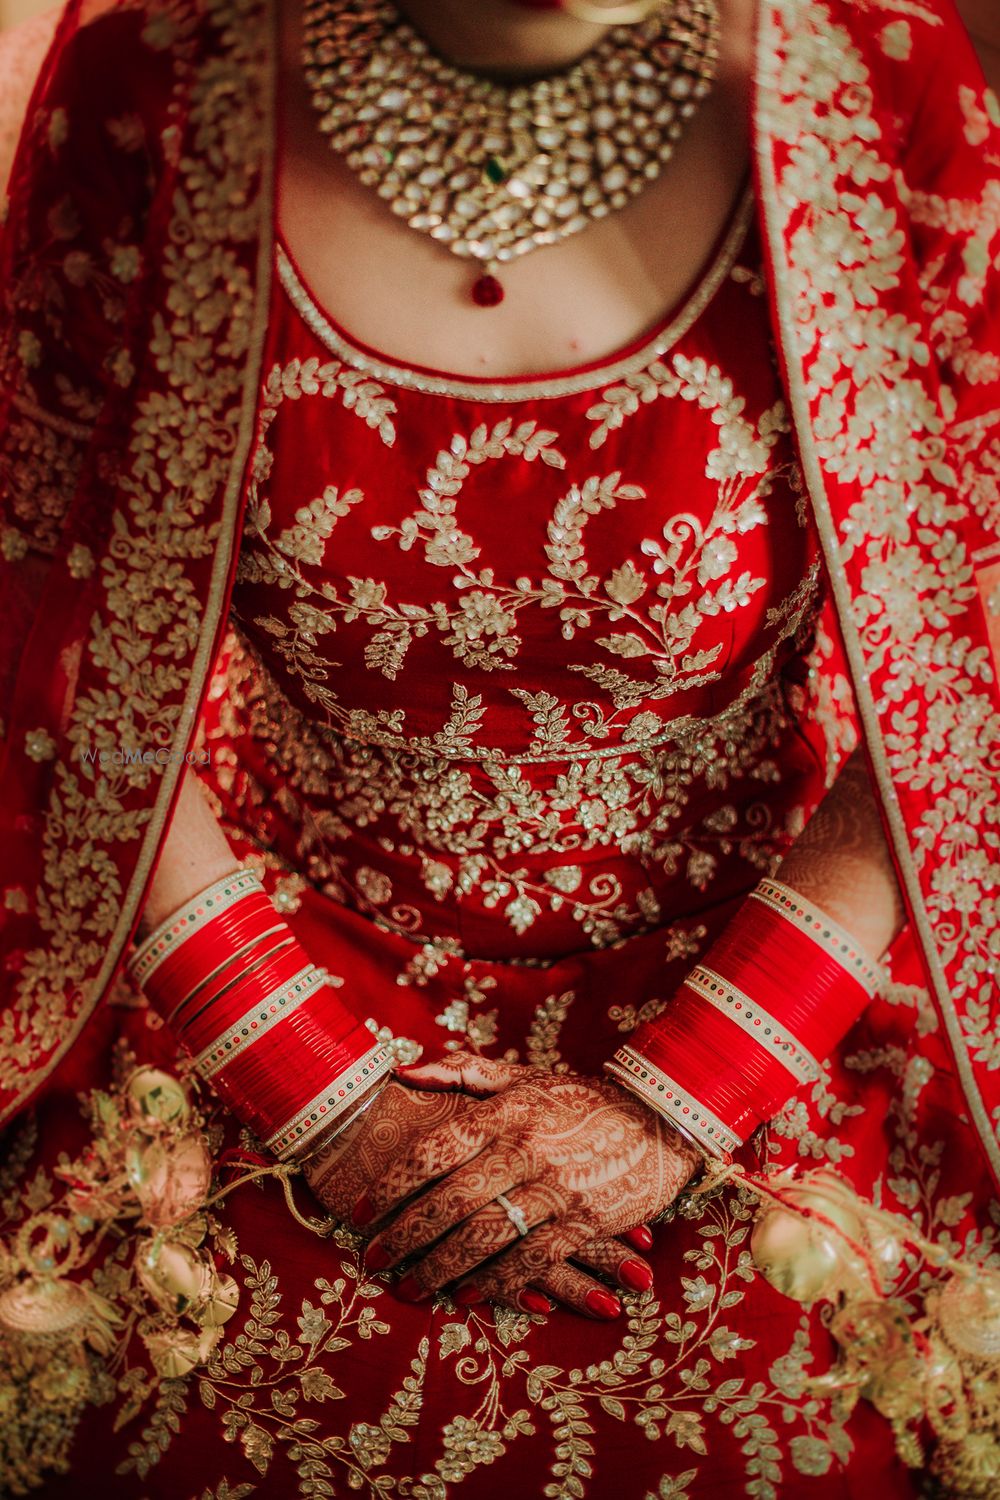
[144, 1183]
[932, 1372]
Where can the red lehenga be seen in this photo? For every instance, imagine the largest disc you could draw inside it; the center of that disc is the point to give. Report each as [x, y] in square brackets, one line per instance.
[518, 690]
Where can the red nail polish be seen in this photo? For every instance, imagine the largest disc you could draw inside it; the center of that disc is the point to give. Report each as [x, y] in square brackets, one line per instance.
[364, 1211]
[636, 1276]
[639, 1238]
[602, 1304]
[534, 1302]
[410, 1290]
[377, 1257]
[467, 1296]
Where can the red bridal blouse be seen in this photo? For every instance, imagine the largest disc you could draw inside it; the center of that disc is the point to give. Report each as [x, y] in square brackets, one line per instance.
[528, 672]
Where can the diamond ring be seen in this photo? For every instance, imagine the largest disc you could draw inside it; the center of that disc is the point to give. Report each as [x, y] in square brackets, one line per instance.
[514, 1214]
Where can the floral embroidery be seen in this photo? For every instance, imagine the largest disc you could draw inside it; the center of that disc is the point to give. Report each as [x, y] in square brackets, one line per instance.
[486, 831]
[414, 808]
[692, 577]
[894, 459]
[178, 454]
[277, 1376]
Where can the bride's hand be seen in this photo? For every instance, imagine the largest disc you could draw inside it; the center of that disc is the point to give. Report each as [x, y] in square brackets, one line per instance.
[393, 1127]
[399, 1118]
[579, 1158]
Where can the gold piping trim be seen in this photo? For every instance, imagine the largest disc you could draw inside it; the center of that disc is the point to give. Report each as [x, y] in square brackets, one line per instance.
[769, 36]
[509, 388]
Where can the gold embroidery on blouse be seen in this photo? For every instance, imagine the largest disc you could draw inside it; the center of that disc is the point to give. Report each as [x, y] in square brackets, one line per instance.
[481, 827]
[692, 573]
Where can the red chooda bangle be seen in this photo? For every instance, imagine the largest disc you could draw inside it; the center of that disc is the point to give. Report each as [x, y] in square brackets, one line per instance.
[264, 1025]
[776, 993]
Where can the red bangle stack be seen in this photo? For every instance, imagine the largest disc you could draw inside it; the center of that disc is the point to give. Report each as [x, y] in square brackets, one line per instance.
[784, 984]
[263, 1023]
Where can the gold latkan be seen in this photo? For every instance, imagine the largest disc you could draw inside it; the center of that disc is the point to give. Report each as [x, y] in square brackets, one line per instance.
[935, 1369]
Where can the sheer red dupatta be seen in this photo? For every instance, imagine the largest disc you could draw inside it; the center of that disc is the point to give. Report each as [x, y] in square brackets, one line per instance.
[134, 274]
[878, 164]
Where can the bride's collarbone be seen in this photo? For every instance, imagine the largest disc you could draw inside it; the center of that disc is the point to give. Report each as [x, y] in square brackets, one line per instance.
[567, 304]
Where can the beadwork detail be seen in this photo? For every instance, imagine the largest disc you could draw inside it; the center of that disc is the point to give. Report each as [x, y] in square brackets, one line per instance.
[666, 1096]
[203, 908]
[259, 1020]
[325, 1108]
[755, 1021]
[489, 169]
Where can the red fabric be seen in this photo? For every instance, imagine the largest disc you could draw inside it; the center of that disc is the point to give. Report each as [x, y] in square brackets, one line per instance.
[877, 150]
[562, 991]
[97, 419]
[513, 1405]
[801, 987]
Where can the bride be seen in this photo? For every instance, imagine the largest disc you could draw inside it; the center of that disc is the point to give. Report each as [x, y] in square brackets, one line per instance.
[499, 725]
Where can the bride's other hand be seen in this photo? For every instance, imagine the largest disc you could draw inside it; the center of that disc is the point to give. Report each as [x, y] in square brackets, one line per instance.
[398, 1119]
[341, 1171]
[575, 1161]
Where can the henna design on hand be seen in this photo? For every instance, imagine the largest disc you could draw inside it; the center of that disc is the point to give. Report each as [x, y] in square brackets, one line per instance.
[467, 1193]
[341, 1171]
[398, 1121]
[488, 1233]
[616, 1261]
[591, 1162]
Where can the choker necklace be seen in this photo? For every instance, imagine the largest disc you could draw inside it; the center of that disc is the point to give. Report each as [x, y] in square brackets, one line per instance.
[492, 170]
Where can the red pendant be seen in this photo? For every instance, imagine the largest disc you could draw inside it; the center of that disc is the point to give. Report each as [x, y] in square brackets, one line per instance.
[487, 291]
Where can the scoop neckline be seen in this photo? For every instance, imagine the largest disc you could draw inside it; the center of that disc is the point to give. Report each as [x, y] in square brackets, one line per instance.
[593, 375]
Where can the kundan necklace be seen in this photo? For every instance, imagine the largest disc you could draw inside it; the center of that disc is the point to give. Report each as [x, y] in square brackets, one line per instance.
[492, 170]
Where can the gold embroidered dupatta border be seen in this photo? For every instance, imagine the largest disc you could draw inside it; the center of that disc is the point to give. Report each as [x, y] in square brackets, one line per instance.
[238, 77]
[258, 18]
[803, 36]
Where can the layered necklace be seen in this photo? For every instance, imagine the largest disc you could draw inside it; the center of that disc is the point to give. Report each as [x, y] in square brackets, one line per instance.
[491, 169]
